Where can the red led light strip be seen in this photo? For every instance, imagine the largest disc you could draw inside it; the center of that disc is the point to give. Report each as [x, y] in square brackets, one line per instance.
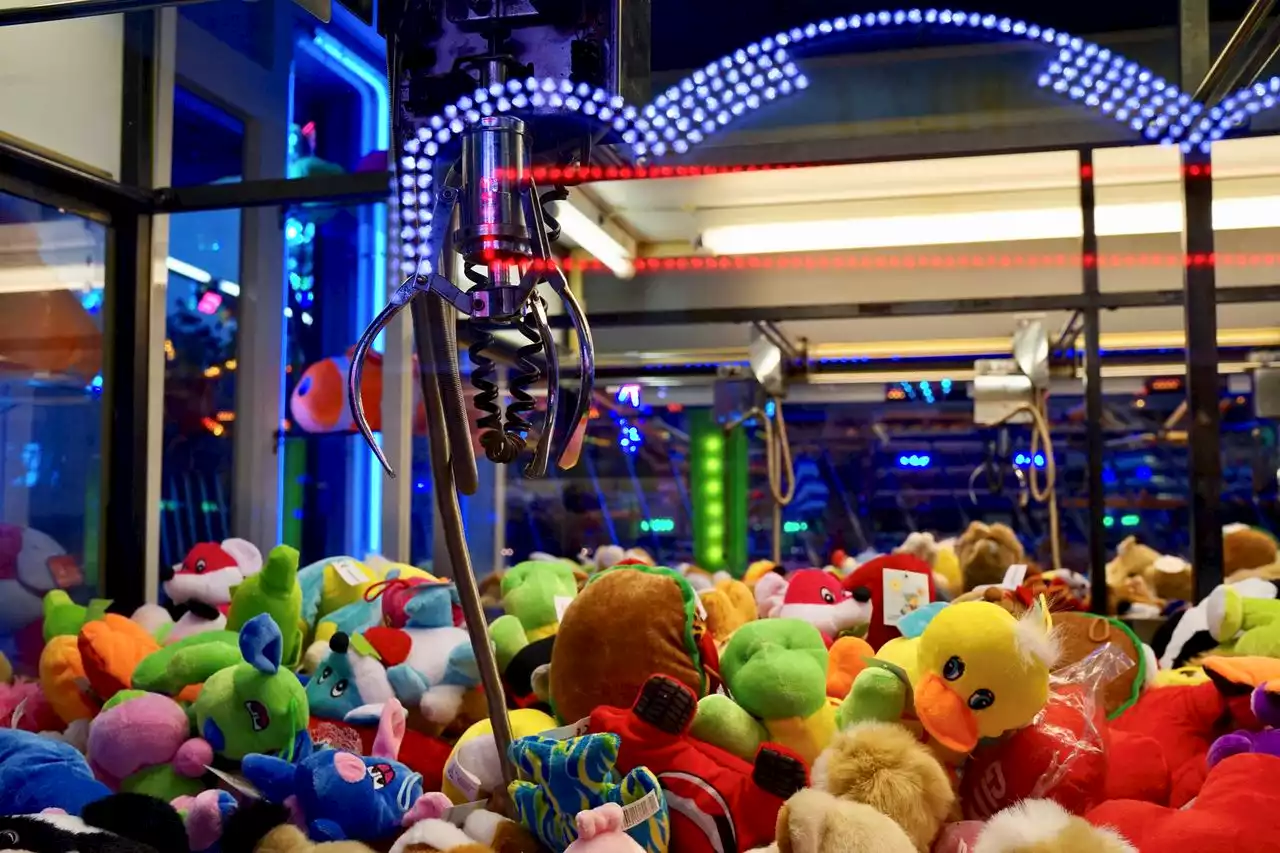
[570, 176]
[808, 262]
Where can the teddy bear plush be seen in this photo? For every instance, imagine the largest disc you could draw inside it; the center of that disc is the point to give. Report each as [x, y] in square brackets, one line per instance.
[986, 552]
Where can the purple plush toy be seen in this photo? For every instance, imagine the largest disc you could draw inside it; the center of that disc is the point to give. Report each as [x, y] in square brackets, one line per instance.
[1266, 707]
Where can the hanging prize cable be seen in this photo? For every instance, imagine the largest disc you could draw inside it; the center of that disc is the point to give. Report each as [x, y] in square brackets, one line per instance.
[1045, 491]
[779, 468]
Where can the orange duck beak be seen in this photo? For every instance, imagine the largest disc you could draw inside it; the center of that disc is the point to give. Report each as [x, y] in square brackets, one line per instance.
[945, 716]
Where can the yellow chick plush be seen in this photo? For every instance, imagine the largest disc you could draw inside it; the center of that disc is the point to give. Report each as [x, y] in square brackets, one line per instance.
[976, 671]
[473, 768]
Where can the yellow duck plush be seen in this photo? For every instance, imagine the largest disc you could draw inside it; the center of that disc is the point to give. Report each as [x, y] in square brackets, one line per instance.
[974, 672]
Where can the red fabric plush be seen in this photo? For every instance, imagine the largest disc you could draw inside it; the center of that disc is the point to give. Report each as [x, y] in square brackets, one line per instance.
[1181, 723]
[715, 802]
[419, 752]
[1236, 811]
[871, 575]
[1136, 768]
[1061, 756]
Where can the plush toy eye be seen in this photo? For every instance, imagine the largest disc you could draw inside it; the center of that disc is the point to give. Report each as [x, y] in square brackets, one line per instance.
[828, 596]
[861, 595]
[200, 566]
[339, 688]
[953, 668]
[325, 673]
[982, 699]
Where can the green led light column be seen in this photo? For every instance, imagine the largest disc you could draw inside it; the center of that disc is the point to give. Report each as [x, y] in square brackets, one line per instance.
[718, 489]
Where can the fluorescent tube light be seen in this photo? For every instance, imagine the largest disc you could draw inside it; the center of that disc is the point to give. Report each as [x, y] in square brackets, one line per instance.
[1050, 223]
[187, 270]
[582, 230]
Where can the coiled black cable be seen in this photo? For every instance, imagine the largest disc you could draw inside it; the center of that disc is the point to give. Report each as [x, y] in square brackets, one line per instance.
[525, 374]
[556, 193]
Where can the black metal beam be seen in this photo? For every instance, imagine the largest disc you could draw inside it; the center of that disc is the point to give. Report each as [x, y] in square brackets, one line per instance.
[912, 308]
[1200, 315]
[1094, 442]
[126, 324]
[32, 175]
[343, 189]
[65, 11]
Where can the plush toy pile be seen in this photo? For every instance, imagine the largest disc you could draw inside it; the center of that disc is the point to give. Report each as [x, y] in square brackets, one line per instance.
[947, 697]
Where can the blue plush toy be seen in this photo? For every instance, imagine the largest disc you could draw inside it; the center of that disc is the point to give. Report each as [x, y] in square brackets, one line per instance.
[344, 796]
[38, 773]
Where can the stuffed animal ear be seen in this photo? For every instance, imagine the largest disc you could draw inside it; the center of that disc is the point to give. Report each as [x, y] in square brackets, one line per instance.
[274, 777]
[429, 606]
[390, 730]
[1035, 637]
[246, 554]
[261, 643]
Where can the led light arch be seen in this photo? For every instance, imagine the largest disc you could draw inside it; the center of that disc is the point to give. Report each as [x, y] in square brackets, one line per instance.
[736, 85]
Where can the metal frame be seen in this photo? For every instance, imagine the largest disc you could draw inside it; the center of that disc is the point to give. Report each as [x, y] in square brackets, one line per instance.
[129, 207]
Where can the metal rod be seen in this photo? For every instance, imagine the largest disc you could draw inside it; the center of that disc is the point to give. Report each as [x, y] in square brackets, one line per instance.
[345, 189]
[30, 174]
[1093, 390]
[127, 319]
[81, 9]
[913, 308]
[1221, 77]
[1201, 321]
[1262, 57]
[446, 493]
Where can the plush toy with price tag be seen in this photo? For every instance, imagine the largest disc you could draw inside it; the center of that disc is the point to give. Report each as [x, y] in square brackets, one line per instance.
[566, 777]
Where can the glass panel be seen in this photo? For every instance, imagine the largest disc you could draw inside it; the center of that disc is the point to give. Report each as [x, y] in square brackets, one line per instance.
[202, 336]
[336, 266]
[51, 351]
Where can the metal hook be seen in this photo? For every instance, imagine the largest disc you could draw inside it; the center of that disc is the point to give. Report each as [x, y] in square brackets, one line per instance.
[537, 467]
[405, 293]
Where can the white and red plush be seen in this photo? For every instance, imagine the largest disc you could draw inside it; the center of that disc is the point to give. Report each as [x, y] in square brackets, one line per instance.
[203, 581]
[898, 584]
[816, 597]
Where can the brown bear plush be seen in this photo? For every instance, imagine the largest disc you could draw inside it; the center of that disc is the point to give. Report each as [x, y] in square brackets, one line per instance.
[986, 552]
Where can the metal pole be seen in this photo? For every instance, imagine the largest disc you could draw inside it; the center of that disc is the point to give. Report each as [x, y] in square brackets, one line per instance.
[1093, 387]
[1201, 322]
[82, 9]
[1219, 80]
[127, 319]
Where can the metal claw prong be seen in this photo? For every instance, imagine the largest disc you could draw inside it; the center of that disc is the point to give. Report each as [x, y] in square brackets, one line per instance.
[355, 376]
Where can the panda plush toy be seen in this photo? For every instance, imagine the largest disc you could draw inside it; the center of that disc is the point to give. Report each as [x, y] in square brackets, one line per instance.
[120, 823]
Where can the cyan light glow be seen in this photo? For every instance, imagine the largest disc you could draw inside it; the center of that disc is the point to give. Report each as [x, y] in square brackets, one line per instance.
[375, 135]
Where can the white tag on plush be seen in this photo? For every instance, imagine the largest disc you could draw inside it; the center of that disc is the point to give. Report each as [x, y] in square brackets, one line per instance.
[698, 608]
[572, 730]
[641, 810]
[238, 783]
[462, 778]
[350, 573]
[458, 814]
[562, 604]
[1014, 577]
[904, 592]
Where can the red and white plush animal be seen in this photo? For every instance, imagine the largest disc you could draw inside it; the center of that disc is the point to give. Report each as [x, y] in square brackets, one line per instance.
[816, 597]
[203, 581]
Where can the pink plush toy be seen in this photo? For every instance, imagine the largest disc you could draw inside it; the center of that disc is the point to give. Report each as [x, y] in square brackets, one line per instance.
[143, 744]
[600, 830]
[23, 706]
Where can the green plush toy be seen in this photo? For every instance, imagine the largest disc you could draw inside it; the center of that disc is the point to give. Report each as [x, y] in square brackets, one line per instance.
[189, 661]
[534, 594]
[776, 670]
[255, 705]
[1248, 627]
[64, 618]
[275, 591]
[881, 693]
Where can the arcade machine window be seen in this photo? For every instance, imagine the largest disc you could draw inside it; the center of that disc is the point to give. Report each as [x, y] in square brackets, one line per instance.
[337, 274]
[51, 361]
[201, 334]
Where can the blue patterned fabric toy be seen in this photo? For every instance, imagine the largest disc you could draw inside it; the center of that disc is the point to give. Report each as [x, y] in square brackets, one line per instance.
[574, 775]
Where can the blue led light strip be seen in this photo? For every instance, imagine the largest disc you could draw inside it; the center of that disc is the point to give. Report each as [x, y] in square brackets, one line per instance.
[730, 88]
